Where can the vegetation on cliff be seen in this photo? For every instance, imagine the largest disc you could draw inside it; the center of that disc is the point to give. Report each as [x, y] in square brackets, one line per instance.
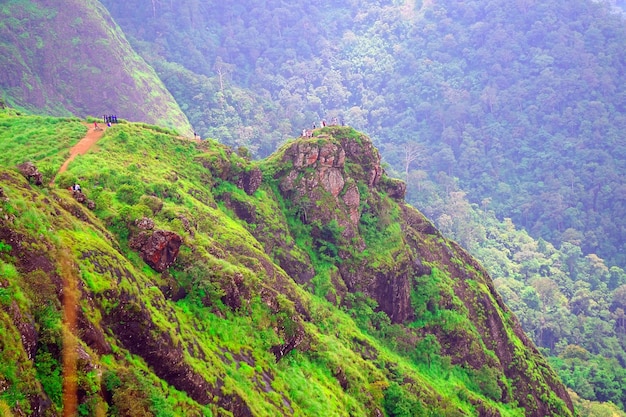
[207, 284]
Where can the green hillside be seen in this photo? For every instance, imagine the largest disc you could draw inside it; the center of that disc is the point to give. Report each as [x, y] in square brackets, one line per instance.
[188, 280]
[70, 58]
[504, 118]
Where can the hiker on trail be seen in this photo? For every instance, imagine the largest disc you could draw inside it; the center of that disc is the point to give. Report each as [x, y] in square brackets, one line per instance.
[76, 187]
[323, 123]
[108, 124]
[95, 125]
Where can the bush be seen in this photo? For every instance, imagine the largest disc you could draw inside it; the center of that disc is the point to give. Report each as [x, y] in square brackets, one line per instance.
[129, 194]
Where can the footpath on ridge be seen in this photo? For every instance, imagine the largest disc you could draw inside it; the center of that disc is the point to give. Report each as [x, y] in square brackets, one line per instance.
[93, 135]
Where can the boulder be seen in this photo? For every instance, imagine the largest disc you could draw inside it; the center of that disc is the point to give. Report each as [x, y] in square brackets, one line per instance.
[145, 223]
[30, 171]
[158, 249]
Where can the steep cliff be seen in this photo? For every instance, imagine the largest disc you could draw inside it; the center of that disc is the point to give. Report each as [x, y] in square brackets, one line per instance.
[202, 283]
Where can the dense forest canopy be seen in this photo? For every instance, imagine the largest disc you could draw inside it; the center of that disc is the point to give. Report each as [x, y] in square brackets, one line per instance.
[520, 101]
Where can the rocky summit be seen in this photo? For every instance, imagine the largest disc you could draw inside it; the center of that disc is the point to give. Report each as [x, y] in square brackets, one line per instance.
[198, 282]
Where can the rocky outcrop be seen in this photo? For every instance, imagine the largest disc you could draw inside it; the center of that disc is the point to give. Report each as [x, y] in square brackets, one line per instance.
[158, 249]
[325, 181]
[323, 187]
[145, 223]
[337, 179]
[250, 181]
[82, 199]
[30, 171]
[133, 325]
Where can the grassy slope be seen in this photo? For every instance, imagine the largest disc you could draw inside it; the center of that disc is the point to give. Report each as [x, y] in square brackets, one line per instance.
[341, 367]
[73, 59]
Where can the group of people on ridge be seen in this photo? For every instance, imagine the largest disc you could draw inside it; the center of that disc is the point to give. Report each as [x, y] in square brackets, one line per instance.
[307, 133]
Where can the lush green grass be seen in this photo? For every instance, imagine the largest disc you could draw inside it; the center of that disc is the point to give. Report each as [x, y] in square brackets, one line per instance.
[235, 304]
[43, 140]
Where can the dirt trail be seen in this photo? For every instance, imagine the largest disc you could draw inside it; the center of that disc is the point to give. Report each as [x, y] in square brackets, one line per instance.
[81, 148]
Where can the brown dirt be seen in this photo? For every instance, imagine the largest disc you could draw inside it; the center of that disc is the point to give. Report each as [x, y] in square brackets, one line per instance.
[81, 148]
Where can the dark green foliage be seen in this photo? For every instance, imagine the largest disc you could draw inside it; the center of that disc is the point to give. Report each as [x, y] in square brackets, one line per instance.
[398, 403]
[128, 194]
[487, 380]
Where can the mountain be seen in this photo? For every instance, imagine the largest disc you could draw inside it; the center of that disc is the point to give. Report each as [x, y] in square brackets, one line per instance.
[499, 115]
[185, 279]
[70, 58]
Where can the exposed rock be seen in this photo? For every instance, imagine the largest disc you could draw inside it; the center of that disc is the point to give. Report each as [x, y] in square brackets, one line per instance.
[300, 271]
[186, 225]
[394, 188]
[26, 327]
[250, 180]
[133, 325]
[352, 200]
[82, 199]
[235, 290]
[30, 171]
[145, 223]
[292, 341]
[158, 249]
[390, 288]
[93, 336]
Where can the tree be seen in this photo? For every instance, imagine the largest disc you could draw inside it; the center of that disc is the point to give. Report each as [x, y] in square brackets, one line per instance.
[413, 152]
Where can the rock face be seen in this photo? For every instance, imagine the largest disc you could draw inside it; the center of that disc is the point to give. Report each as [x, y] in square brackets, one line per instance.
[158, 249]
[250, 180]
[82, 199]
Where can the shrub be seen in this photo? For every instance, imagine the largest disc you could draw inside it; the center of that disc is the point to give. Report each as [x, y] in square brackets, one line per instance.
[129, 194]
